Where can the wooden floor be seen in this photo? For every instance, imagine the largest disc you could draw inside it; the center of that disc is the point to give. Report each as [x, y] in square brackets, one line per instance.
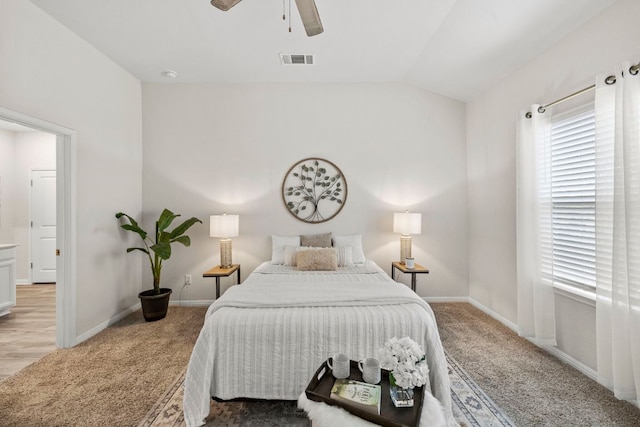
[29, 331]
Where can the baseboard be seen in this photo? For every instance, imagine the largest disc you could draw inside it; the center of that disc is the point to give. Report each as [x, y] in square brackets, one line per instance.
[506, 322]
[446, 299]
[191, 303]
[554, 351]
[569, 360]
[477, 305]
[23, 282]
[104, 325]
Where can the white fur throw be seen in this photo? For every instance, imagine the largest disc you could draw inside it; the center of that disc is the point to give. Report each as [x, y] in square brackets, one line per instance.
[323, 415]
[317, 259]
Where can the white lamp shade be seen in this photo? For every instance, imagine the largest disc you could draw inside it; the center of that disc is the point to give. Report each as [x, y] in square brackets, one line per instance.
[407, 223]
[224, 226]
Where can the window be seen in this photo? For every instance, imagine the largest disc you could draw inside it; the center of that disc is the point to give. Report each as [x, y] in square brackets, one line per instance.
[573, 209]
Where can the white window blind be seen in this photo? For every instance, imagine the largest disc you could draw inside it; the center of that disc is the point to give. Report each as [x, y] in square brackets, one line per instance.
[573, 254]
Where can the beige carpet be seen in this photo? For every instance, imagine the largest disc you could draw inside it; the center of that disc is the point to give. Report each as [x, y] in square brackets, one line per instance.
[112, 379]
[115, 378]
[532, 387]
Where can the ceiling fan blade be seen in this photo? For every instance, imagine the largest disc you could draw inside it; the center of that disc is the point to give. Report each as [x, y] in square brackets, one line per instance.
[224, 4]
[310, 17]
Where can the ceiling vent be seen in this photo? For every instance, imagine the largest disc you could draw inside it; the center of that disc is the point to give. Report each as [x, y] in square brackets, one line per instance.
[291, 59]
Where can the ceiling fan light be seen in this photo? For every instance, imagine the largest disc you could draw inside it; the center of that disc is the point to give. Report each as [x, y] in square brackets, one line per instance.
[313, 30]
[224, 4]
[310, 17]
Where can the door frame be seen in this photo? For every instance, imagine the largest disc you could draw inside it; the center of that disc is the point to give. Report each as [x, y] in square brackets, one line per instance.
[65, 222]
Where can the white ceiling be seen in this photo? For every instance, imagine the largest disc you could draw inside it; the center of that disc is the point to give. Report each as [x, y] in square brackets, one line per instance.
[457, 48]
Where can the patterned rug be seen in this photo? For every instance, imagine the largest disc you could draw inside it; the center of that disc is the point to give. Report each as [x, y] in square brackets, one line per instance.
[471, 407]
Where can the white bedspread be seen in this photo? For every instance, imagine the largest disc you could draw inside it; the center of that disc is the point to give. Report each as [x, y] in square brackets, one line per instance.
[265, 338]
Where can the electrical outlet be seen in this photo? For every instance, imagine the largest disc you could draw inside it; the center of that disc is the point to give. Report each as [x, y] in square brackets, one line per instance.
[187, 279]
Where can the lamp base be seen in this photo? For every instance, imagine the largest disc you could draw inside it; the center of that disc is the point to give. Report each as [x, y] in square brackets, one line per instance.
[225, 253]
[405, 248]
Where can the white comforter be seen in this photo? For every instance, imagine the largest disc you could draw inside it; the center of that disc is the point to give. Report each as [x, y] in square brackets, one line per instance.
[265, 338]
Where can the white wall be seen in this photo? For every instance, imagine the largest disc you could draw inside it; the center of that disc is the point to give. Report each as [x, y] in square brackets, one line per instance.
[568, 66]
[215, 148]
[49, 73]
[7, 153]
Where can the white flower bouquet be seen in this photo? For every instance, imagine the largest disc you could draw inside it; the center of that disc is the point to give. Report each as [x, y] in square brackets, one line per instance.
[405, 358]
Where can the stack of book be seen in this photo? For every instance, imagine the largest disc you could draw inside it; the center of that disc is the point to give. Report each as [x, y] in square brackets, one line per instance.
[358, 394]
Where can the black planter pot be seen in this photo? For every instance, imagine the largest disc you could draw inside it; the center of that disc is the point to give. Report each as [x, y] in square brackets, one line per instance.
[154, 306]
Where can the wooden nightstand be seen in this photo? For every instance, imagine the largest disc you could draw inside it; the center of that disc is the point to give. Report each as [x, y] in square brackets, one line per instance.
[413, 271]
[219, 272]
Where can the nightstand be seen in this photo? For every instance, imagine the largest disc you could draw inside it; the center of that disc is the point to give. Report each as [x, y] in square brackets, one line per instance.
[219, 272]
[413, 271]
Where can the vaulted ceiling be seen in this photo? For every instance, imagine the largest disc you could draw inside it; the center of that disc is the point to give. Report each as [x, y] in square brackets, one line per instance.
[457, 48]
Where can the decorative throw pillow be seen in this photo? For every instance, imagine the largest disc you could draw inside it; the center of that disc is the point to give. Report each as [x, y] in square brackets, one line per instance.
[355, 241]
[344, 254]
[290, 254]
[277, 247]
[316, 240]
[291, 251]
[323, 259]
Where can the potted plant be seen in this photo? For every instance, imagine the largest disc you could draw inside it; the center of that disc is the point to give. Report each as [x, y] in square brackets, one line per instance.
[156, 301]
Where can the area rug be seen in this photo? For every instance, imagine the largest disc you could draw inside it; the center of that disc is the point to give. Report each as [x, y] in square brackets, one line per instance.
[471, 408]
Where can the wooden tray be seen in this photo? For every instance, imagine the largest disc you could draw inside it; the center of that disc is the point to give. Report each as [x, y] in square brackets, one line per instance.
[319, 390]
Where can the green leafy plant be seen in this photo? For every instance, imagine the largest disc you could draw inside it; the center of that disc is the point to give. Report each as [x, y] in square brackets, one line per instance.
[159, 250]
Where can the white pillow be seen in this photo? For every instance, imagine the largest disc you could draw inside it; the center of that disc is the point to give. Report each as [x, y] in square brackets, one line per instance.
[290, 254]
[355, 241]
[345, 256]
[277, 247]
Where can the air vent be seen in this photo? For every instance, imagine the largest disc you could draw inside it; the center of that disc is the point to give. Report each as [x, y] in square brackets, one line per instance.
[293, 59]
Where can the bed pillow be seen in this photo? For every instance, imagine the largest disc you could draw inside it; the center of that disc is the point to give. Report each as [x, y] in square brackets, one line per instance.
[322, 259]
[316, 240]
[290, 254]
[277, 247]
[344, 255]
[355, 242]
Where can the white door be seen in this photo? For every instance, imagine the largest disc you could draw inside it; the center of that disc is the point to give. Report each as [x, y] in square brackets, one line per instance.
[43, 226]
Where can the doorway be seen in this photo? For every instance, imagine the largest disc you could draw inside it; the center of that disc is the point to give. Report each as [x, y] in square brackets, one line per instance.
[65, 258]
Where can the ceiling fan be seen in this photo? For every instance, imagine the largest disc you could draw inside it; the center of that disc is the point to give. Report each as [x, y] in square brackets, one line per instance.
[307, 9]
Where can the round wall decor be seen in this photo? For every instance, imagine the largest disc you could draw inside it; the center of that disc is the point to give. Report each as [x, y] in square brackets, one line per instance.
[314, 190]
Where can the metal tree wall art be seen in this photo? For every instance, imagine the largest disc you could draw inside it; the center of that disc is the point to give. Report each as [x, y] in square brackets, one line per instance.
[314, 190]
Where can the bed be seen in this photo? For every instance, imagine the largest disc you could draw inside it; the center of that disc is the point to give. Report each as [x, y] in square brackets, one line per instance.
[264, 339]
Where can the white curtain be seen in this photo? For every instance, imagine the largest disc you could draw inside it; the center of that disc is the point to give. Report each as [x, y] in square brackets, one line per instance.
[618, 233]
[536, 312]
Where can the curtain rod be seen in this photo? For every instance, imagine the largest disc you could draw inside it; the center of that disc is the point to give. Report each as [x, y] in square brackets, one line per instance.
[609, 80]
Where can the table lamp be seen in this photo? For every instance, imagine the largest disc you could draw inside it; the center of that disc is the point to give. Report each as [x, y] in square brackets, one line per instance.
[406, 224]
[224, 226]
